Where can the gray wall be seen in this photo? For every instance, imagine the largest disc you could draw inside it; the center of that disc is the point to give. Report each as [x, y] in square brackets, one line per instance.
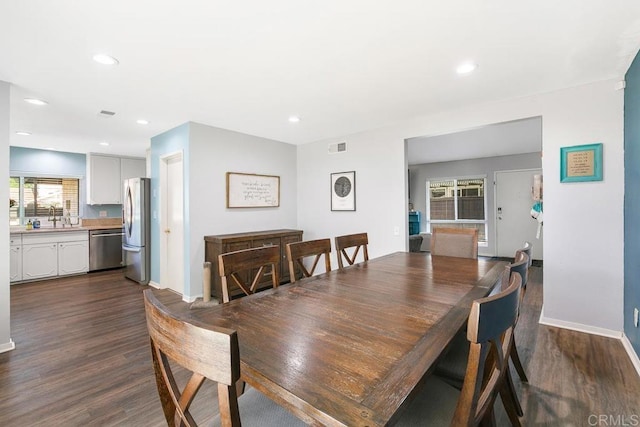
[420, 174]
[209, 153]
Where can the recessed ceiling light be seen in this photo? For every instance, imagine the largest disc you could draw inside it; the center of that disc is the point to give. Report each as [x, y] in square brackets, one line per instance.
[294, 119]
[23, 133]
[103, 59]
[142, 122]
[35, 101]
[105, 144]
[466, 68]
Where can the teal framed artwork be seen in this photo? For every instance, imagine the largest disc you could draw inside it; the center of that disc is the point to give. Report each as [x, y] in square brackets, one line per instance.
[581, 163]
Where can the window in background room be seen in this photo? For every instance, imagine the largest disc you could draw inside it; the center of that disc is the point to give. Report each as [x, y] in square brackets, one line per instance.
[457, 203]
[35, 197]
[14, 201]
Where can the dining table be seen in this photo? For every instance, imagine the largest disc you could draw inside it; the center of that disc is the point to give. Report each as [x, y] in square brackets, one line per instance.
[351, 347]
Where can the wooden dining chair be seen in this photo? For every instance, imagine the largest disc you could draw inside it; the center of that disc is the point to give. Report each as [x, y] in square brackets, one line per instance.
[208, 353]
[455, 242]
[453, 364]
[299, 251]
[520, 266]
[527, 248]
[489, 334]
[255, 263]
[351, 241]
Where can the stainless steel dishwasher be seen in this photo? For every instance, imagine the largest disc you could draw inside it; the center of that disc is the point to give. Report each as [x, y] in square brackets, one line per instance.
[105, 249]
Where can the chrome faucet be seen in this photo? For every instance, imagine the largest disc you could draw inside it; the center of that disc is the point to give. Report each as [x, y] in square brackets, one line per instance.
[52, 215]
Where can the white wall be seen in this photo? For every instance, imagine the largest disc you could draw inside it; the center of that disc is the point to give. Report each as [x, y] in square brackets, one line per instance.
[5, 321]
[486, 167]
[378, 158]
[213, 153]
[583, 242]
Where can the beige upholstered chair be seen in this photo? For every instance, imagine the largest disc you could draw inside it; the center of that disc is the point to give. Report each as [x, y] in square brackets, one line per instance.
[455, 242]
[351, 241]
[298, 251]
[208, 353]
[237, 266]
[490, 335]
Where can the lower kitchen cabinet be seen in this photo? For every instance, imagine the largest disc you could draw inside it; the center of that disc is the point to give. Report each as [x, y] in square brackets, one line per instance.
[73, 257]
[54, 254]
[39, 260]
[15, 258]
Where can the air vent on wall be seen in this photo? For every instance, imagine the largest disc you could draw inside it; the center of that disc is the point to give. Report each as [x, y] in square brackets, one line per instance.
[338, 147]
[106, 114]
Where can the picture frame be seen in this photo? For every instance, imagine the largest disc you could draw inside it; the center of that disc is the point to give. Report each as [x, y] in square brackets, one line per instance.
[343, 191]
[581, 163]
[249, 190]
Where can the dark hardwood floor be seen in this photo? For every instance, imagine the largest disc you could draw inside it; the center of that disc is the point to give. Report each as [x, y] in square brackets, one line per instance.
[82, 358]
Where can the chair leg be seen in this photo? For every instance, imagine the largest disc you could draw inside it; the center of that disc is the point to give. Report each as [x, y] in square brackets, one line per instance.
[515, 358]
[512, 393]
[511, 405]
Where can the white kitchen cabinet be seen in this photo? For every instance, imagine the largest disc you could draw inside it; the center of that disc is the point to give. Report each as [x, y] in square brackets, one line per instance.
[39, 260]
[103, 180]
[73, 257]
[15, 258]
[131, 168]
[105, 175]
[54, 254]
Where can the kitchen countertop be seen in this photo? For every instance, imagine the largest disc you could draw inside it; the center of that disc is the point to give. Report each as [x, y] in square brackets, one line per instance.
[102, 227]
[23, 229]
[88, 224]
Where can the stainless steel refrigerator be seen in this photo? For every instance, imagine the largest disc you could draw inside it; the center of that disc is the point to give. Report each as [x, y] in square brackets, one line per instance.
[136, 229]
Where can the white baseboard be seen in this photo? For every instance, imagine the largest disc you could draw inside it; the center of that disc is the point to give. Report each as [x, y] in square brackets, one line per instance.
[631, 352]
[579, 327]
[8, 346]
[184, 298]
[595, 331]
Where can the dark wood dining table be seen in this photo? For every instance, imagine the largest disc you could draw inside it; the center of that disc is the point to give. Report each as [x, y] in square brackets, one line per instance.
[349, 347]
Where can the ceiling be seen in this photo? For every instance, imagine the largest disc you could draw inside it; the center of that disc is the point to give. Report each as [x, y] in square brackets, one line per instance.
[500, 139]
[341, 66]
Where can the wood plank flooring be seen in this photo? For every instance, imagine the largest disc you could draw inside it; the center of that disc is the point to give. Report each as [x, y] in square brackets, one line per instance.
[82, 358]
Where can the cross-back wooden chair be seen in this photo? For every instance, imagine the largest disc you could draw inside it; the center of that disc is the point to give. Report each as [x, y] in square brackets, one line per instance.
[207, 352]
[490, 334]
[348, 242]
[527, 248]
[455, 242]
[258, 262]
[298, 251]
[520, 266]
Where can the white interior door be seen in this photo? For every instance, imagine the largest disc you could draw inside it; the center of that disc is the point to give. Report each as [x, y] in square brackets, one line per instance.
[514, 224]
[172, 223]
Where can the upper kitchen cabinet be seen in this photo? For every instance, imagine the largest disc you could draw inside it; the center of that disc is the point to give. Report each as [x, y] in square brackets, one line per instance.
[105, 175]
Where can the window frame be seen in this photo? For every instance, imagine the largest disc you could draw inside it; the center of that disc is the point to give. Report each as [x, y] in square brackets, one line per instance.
[456, 190]
[21, 176]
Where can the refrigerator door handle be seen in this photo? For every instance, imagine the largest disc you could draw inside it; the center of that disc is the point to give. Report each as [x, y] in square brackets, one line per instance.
[129, 212]
[130, 249]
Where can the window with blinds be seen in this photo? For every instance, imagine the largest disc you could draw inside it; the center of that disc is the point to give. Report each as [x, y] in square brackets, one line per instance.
[35, 197]
[458, 203]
